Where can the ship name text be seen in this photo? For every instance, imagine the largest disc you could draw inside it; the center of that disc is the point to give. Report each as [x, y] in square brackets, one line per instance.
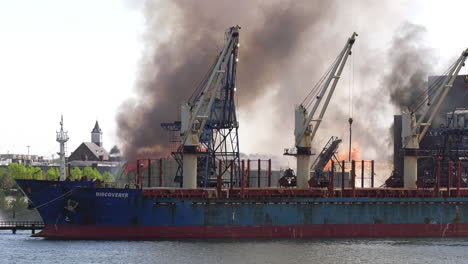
[110, 194]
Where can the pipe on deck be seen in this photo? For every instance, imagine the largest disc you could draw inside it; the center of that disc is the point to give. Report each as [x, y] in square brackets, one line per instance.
[231, 174]
[437, 179]
[449, 177]
[258, 174]
[160, 172]
[362, 173]
[149, 172]
[219, 179]
[242, 179]
[342, 176]
[248, 174]
[331, 183]
[353, 177]
[459, 172]
[269, 173]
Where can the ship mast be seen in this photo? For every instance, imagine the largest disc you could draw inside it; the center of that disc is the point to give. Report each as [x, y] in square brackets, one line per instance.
[62, 138]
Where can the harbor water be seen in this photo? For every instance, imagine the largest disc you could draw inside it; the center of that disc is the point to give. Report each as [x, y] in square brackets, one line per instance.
[21, 248]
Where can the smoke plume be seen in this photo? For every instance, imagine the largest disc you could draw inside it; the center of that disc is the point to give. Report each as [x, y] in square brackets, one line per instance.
[410, 61]
[285, 46]
[182, 40]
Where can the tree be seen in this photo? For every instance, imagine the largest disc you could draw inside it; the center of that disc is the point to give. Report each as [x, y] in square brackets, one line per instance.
[34, 173]
[91, 173]
[76, 174]
[6, 181]
[88, 172]
[17, 171]
[3, 201]
[52, 174]
[97, 175]
[107, 177]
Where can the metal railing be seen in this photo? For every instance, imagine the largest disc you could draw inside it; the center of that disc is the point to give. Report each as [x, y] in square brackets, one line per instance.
[21, 224]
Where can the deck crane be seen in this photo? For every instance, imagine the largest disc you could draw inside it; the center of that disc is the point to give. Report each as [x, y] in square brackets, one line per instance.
[304, 131]
[204, 111]
[412, 124]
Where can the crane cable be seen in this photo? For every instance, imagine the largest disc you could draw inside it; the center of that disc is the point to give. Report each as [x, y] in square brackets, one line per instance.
[318, 86]
[351, 84]
[424, 96]
[350, 98]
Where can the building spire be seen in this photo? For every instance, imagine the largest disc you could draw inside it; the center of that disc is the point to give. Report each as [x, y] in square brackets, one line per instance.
[96, 135]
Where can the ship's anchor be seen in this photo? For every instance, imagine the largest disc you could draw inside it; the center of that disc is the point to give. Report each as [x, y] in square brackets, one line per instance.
[71, 205]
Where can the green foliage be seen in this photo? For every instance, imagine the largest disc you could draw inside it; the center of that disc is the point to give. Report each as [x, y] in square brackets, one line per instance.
[6, 181]
[97, 175]
[107, 177]
[52, 174]
[76, 174]
[36, 173]
[18, 171]
[3, 202]
[91, 173]
[88, 172]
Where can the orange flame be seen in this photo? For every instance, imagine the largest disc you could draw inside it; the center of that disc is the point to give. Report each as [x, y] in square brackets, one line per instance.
[344, 155]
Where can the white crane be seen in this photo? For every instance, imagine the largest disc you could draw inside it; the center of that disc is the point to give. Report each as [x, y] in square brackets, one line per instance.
[304, 131]
[194, 116]
[411, 124]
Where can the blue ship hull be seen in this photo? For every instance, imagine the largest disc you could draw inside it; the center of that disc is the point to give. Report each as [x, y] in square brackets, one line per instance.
[79, 210]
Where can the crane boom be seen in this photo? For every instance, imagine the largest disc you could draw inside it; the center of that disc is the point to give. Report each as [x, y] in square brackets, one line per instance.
[195, 121]
[410, 135]
[410, 132]
[334, 76]
[304, 132]
[456, 69]
[194, 116]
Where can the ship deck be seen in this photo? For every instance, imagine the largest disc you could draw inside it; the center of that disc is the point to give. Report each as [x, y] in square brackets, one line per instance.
[306, 193]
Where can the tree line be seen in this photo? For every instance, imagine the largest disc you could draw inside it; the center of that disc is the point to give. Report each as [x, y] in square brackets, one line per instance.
[19, 171]
[17, 202]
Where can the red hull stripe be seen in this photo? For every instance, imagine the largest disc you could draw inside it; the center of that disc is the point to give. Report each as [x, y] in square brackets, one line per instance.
[296, 231]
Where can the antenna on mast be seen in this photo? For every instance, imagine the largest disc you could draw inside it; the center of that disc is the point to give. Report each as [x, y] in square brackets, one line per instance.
[62, 138]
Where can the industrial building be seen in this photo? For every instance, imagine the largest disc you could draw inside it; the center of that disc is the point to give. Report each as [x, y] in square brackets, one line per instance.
[446, 139]
[25, 159]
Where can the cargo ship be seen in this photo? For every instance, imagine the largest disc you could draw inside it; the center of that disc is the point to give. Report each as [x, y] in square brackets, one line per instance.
[85, 210]
[216, 198]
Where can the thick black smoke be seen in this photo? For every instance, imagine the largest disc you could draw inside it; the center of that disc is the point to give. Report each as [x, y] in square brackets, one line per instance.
[285, 46]
[410, 61]
[182, 40]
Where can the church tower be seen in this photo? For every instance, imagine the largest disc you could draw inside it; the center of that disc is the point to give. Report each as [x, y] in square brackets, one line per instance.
[96, 135]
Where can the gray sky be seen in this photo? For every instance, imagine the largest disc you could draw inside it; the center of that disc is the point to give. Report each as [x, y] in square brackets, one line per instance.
[81, 58]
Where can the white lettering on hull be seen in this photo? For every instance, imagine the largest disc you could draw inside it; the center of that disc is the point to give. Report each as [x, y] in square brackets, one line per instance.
[112, 195]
